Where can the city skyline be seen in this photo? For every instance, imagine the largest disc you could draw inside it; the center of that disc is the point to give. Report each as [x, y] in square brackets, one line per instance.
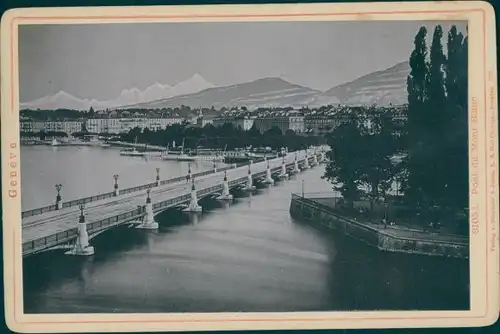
[79, 59]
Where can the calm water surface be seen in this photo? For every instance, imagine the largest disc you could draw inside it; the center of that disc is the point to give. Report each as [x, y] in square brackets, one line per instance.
[248, 255]
[87, 171]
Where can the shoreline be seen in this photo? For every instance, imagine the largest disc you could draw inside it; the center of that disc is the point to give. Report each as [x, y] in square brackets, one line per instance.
[386, 240]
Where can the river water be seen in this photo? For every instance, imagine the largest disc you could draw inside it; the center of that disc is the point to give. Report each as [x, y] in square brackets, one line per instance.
[248, 255]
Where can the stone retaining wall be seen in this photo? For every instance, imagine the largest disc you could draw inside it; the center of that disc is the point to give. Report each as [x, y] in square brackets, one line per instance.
[308, 210]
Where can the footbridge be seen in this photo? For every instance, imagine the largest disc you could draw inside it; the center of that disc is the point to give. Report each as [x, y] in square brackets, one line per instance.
[72, 227]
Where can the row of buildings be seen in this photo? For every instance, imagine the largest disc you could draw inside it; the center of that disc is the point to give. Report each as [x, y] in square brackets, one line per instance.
[97, 125]
[314, 123]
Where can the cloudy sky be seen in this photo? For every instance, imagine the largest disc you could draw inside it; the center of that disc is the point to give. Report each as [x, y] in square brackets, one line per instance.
[99, 61]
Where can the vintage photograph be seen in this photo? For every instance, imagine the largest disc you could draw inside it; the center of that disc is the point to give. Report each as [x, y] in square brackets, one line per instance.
[249, 167]
[244, 167]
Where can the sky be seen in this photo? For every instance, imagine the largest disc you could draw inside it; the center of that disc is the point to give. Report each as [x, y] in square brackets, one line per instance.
[100, 60]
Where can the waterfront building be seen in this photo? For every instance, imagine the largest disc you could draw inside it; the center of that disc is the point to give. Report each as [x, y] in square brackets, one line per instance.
[26, 124]
[319, 125]
[242, 122]
[68, 126]
[204, 120]
[120, 125]
[98, 125]
[286, 122]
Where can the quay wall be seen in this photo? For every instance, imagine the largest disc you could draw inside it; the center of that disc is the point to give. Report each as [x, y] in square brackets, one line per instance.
[317, 214]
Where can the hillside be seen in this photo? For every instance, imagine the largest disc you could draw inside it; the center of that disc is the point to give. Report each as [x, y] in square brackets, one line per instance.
[381, 88]
[267, 92]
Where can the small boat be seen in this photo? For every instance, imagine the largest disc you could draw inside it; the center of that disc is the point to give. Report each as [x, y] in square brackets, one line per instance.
[177, 157]
[180, 156]
[207, 154]
[55, 142]
[132, 153]
[105, 145]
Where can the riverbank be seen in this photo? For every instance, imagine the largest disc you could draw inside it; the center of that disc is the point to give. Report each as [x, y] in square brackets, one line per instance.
[388, 239]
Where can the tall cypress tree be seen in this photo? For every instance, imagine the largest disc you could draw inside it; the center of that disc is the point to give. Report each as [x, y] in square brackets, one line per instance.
[417, 98]
[436, 87]
[455, 138]
[437, 123]
[453, 65]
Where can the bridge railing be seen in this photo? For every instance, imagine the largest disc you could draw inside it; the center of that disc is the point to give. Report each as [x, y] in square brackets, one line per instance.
[87, 199]
[99, 197]
[38, 211]
[137, 188]
[49, 241]
[105, 223]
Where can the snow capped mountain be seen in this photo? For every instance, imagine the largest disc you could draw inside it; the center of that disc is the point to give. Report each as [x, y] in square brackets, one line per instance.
[155, 92]
[63, 100]
[60, 100]
[192, 85]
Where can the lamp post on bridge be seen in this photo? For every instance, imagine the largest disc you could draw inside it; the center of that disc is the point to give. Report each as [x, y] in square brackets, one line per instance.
[58, 197]
[157, 177]
[188, 176]
[81, 219]
[117, 191]
[302, 188]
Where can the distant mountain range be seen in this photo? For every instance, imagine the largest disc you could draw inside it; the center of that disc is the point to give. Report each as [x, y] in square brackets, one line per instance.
[381, 88]
[154, 92]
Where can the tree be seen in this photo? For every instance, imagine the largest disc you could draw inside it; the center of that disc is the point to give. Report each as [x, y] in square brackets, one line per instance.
[377, 147]
[437, 164]
[436, 124]
[343, 169]
[417, 118]
[455, 139]
[84, 127]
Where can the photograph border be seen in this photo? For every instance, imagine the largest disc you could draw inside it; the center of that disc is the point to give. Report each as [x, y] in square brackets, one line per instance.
[483, 167]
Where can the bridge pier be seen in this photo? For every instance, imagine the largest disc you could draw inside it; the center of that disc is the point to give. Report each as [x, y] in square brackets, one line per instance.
[193, 204]
[296, 168]
[249, 186]
[148, 222]
[82, 247]
[306, 162]
[269, 178]
[283, 175]
[315, 159]
[116, 190]
[225, 190]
